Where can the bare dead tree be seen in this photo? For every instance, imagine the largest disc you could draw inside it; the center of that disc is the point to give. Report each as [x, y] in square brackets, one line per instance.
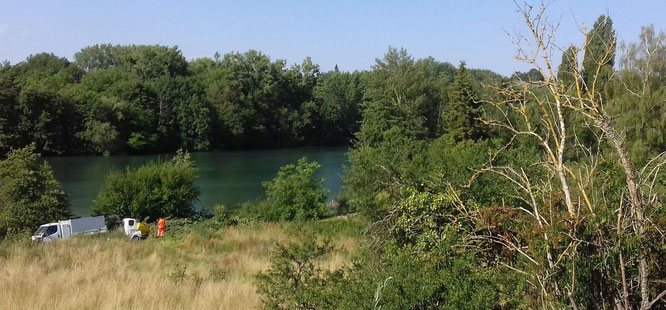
[551, 100]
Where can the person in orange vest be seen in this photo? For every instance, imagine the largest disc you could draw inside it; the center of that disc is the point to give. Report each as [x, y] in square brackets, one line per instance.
[160, 227]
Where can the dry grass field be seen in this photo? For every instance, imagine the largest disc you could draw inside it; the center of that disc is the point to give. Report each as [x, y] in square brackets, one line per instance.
[211, 270]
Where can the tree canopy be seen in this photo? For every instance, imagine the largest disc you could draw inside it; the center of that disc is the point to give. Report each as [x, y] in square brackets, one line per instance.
[29, 193]
[148, 98]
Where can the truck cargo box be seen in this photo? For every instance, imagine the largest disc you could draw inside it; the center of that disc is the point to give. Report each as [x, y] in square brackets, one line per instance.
[86, 224]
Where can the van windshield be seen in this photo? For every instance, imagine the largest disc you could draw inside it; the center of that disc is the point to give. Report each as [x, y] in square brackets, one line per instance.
[41, 230]
[47, 230]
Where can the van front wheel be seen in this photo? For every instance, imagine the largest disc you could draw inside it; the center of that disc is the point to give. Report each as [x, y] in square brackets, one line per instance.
[135, 238]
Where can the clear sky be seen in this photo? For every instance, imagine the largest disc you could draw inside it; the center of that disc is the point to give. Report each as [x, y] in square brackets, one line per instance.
[350, 34]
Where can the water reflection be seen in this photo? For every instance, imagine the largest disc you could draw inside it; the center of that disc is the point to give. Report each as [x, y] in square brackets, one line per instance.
[229, 178]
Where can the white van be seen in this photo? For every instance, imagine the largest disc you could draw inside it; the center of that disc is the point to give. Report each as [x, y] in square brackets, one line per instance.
[64, 229]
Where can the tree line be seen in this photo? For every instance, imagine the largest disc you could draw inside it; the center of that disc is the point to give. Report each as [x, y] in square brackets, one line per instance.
[147, 99]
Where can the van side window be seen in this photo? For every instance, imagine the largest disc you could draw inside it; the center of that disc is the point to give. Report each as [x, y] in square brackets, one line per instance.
[131, 222]
[51, 230]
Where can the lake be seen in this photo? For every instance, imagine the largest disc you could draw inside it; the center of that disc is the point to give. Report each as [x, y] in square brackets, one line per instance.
[229, 177]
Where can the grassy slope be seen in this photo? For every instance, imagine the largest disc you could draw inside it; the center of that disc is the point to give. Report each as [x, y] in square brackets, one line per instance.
[201, 268]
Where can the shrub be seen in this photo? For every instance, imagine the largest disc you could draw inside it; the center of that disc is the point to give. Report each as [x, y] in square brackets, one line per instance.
[153, 190]
[218, 274]
[295, 194]
[29, 193]
[417, 283]
[178, 274]
[295, 281]
[422, 252]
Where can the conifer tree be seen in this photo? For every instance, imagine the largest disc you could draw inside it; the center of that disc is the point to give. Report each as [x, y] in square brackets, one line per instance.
[599, 54]
[566, 70]
[461, 117]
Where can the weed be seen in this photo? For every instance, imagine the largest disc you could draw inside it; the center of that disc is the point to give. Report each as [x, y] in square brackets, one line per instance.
[196, 280]
[178, 274]
[218, 274]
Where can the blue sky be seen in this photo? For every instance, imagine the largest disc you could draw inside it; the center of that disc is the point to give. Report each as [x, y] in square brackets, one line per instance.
[350, 34]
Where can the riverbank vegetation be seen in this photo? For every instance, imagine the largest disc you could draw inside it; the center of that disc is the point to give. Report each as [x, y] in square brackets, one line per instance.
[154, 190]
[468, 190]
[294, 194]
[29, 194]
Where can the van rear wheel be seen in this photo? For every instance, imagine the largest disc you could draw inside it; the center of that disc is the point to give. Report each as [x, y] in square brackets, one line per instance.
[135, 238]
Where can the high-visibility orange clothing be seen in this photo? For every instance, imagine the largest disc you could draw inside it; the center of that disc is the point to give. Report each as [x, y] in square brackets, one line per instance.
[161, 224]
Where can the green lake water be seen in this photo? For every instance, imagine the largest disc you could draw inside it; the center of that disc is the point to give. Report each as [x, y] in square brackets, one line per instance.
[227, 178]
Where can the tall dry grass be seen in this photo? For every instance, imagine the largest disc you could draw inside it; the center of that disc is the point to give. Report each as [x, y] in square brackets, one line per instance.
[197, 271]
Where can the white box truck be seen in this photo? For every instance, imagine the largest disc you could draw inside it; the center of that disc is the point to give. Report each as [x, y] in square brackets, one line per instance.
[64, 229]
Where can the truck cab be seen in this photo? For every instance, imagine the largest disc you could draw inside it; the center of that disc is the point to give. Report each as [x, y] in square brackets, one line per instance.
[48, 232]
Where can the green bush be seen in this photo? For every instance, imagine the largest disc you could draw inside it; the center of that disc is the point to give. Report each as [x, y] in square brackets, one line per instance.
[396, 279]
[29, 193]
[295, 194]
[295, 280]
[418, 261]
[416, 283]
[153, 190]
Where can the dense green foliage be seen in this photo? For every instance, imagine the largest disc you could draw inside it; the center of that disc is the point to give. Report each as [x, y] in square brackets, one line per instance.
[339, 96]
[566, 70]
[154, 190]
[409, 104]
[29, 193]
[294, 194]
[146, 99]
[474, 215]
[405, 156]
[139, 99]
[417, 268]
